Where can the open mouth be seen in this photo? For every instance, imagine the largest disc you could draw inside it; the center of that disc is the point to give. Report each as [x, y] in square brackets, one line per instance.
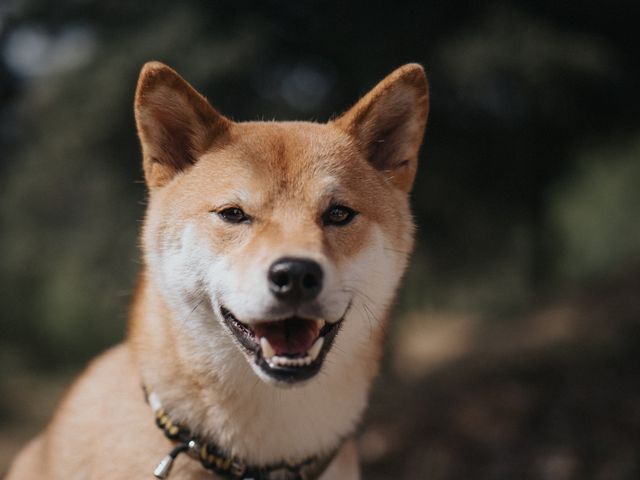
[288, 350]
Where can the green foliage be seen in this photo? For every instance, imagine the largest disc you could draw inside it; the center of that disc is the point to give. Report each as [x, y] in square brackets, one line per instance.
[597, 212]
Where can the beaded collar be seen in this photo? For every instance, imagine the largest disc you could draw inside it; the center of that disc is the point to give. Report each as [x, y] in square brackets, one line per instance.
[215, 459]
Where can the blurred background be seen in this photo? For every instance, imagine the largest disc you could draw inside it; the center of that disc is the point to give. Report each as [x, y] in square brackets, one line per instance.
[514, 343]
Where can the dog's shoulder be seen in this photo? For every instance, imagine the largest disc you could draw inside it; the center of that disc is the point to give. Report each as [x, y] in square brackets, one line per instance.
[87, 433]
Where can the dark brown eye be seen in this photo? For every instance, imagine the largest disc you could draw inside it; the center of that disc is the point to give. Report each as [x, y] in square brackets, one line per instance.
[233, 215]
[338, 215]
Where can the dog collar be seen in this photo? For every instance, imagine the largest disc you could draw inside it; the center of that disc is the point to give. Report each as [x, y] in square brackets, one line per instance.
[215, 459]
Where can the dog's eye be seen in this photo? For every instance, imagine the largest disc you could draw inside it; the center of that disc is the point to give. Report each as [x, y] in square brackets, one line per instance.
[233, 215]
[338, 215]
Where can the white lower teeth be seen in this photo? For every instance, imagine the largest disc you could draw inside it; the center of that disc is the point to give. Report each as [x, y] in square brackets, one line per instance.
[269, 354]
[289, 362]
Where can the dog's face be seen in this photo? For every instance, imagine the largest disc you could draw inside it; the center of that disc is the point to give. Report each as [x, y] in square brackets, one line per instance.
[289, 238]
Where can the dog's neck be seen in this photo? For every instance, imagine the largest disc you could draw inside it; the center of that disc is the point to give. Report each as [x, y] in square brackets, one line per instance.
[209, 386]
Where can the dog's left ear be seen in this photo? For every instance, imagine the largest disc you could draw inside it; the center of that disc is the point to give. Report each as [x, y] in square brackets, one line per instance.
[176, 124]
[388, 123]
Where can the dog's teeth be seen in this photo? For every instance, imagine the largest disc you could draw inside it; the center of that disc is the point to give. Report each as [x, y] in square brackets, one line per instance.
[275, 360]
[315, 349]
[279, 361]
[267, 350]
[320, 323]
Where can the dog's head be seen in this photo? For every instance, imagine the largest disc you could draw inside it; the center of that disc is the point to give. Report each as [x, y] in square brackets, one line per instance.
[288, 239]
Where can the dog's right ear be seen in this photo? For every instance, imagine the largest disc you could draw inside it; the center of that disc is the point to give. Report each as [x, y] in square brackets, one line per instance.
[175, 123]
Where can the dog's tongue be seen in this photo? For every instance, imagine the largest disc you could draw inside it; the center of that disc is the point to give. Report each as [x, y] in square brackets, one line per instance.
[293, 336]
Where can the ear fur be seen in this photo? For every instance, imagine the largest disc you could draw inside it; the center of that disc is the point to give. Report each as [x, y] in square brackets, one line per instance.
[388, 123]
[175, 123]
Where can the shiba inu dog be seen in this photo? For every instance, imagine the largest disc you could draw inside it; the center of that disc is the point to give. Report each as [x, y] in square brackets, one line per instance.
[272, 253]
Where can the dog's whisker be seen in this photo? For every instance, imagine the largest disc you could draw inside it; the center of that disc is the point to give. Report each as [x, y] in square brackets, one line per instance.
[339, 349]
[356, 291]
[195, 307]
[369, 314]
[401, 252]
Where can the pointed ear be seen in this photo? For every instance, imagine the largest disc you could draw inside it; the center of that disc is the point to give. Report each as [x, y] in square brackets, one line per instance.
[175, 123]
[388, 123]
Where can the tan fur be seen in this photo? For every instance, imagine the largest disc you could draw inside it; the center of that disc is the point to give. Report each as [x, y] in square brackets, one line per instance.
[284, 175]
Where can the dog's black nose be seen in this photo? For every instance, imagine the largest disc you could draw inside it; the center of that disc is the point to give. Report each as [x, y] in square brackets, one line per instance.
[295, 280]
